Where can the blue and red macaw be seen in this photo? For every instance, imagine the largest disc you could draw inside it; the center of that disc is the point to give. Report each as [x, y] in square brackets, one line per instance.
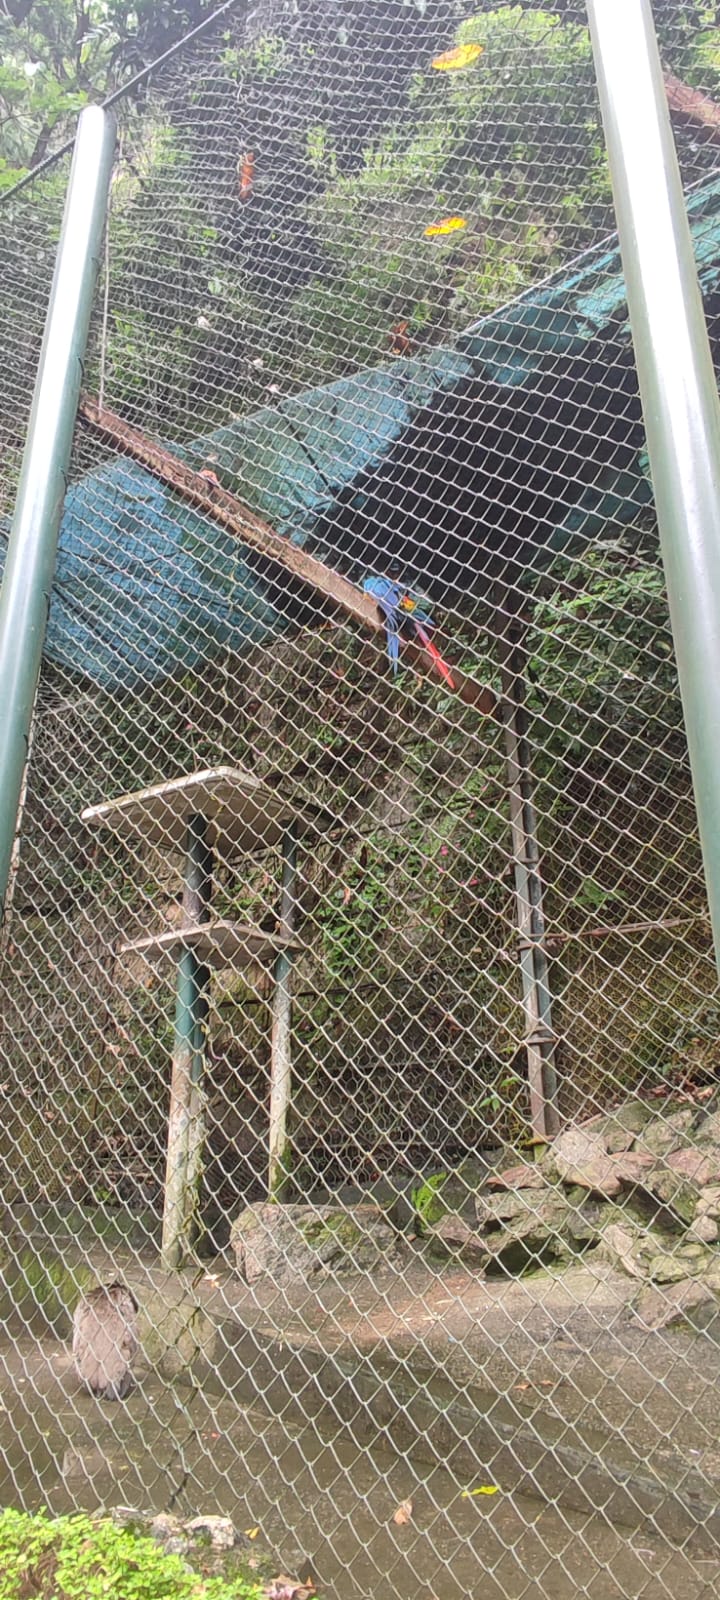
[401, 606]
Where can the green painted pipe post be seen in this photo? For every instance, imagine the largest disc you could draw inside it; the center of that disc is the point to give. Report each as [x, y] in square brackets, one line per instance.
[32, 545]
[186, 1120]
[677, 382]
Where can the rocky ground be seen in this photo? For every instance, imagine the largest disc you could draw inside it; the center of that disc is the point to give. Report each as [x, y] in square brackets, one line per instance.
[641, 1189]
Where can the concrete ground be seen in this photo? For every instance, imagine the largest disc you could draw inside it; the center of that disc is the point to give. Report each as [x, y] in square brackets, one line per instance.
[600, 1438]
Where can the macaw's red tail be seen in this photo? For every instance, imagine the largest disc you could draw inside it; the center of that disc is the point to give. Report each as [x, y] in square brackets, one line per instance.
[433, 651]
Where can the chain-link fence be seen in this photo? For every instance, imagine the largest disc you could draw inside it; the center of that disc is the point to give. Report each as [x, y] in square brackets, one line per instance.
[361, 383]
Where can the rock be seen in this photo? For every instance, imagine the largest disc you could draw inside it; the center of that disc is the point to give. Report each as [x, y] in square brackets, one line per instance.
[709, 1201]
[620, 1128]
[675, 1192]
[622, 1248]
[393, 1194]
[665, 1134]
[705, 1229]
[491, 1209]
[167, 1530]
[527, 1228]
[667, 1266]
[218, 1530]
[579, 1156]
[454, 1235]
[700, 1167]
[523, 1176]
[299, 1243]
[685, 1301]
[682, 1178]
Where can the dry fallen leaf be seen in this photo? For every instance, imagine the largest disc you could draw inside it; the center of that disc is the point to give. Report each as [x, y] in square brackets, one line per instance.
[453, 60]
[284, 1588]
[403, 1513]
[251, 1533]
[447, 225]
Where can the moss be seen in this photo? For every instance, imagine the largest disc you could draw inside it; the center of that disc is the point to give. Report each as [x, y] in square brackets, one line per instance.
[339, 1228]
[43, 1291]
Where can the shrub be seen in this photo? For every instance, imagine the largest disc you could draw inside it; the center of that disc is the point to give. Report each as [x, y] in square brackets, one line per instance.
[80, 1558]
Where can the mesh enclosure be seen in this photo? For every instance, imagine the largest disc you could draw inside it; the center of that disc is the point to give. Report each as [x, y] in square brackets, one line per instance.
[373, 1044]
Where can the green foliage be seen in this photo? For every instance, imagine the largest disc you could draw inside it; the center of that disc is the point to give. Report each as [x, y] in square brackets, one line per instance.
[58, 54]
[80, 1558]
[428, 1202]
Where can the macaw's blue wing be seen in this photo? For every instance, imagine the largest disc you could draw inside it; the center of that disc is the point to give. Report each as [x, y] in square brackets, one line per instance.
[388, 596]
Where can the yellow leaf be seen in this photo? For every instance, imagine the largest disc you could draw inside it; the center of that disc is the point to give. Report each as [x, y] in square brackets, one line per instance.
[251, 1533]
[448, 225]
[462, 56]
[485, 1488]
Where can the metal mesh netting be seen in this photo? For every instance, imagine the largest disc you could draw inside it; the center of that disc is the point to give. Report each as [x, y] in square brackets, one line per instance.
[361, 301]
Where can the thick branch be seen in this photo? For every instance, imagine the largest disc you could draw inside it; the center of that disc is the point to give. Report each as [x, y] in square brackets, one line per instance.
[224, 508]
[693, 106]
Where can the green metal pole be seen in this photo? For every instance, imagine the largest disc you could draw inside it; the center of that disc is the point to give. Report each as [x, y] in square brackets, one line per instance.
[677, 381]
[186, 1121]
[32, 546]
[281, 1041]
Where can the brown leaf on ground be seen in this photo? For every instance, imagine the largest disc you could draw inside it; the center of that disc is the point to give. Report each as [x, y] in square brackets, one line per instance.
[284, 1588]
[403, 1513]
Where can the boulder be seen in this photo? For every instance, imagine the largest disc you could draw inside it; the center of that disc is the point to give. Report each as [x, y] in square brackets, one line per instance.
[620, 1128]
[167, 1530]
[453, 1235]
[662, 1135]
[217, 1531]
[687, 1301]
[681, 1179]
[530, 1228]
[300, 1243]
[524, 1176]
[704, 1229]
[622, 1247]
[579, 1155]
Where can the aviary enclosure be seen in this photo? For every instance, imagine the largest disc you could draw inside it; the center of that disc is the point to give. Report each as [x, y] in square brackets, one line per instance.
[358, 809]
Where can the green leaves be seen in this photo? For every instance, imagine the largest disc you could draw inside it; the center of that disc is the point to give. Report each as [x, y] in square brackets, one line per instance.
[79, 1558]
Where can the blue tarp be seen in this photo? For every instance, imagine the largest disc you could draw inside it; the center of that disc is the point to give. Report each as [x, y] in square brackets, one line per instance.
[146, 588]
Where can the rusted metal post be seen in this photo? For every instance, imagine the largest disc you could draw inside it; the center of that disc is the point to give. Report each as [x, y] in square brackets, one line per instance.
[186, 1122]
[540, 1037]
[281, 1042]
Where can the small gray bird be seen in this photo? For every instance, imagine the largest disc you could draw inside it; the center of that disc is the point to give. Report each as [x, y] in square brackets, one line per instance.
[105, 1340]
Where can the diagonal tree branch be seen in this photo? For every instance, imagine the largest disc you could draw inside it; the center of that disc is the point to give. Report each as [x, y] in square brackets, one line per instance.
[225, 509]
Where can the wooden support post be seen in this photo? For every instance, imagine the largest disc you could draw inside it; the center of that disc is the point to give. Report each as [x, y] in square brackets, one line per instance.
[186, 1124]
[540, 1038]
[281, 1042]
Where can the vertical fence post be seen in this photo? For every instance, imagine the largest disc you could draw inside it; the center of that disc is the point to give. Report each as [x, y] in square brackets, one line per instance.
[676, 378]
[281, 1044]
[186, 1121]
[32, 546]
[540, 1040]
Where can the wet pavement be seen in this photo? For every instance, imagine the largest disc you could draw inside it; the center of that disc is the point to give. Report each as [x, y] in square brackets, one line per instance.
[316, 1496]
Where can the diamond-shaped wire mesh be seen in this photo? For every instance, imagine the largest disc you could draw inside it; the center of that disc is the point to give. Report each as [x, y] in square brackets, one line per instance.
[361, 299]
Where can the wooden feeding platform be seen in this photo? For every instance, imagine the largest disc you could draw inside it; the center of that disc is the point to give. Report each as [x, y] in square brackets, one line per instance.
[216, 944]
[228, 809]
[240, 811]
